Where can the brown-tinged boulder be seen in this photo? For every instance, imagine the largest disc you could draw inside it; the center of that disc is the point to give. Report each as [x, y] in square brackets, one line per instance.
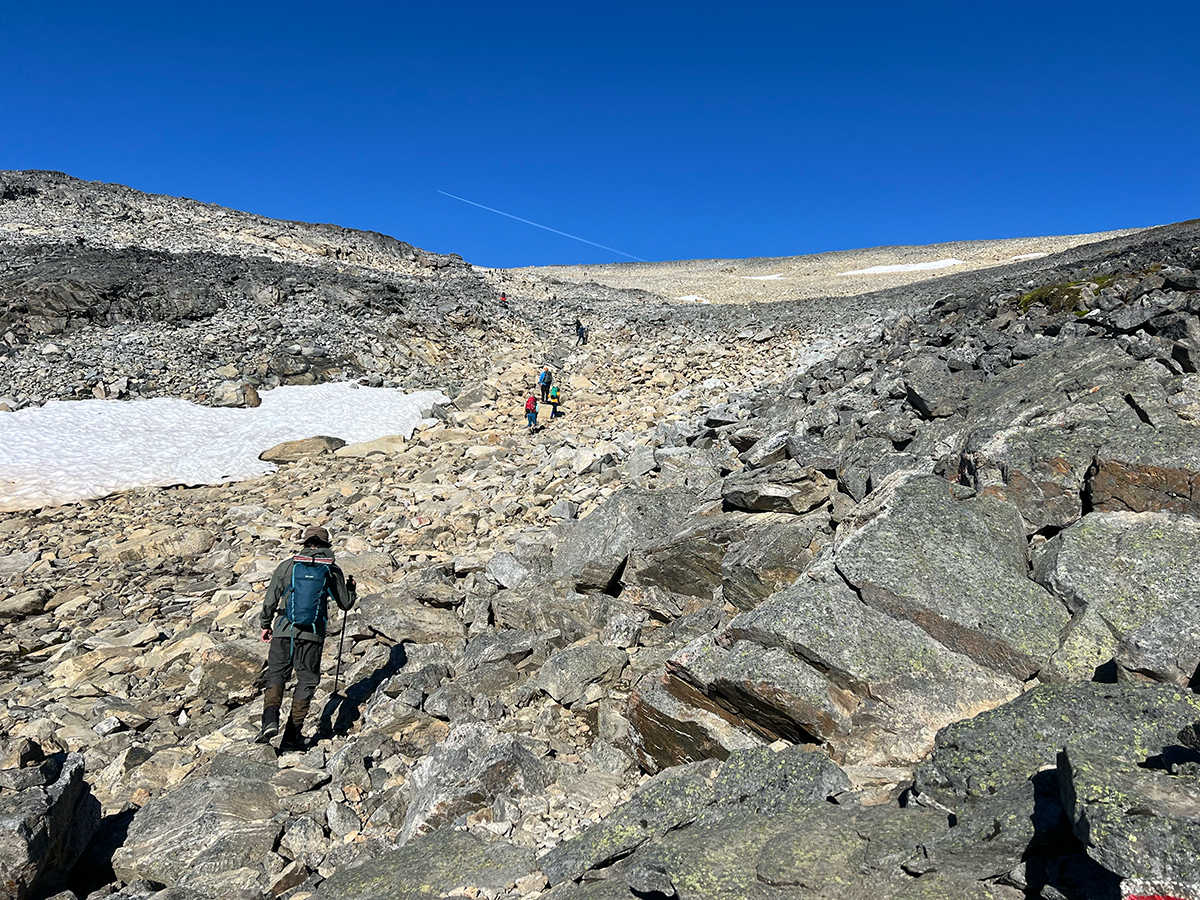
[290, 451]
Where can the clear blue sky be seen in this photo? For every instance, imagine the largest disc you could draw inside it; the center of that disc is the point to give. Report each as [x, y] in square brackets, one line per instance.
[665, 130]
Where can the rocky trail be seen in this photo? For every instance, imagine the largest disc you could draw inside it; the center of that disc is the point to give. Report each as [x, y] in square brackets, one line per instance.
[893, 601]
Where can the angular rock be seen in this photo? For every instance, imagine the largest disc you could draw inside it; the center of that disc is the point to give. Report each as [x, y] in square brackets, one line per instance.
[1129, 578]
[668, 731]
[1148, 470]
[567, 674]
[506, 570]
[207, 826]
[776, 550]
[783, 487]
[628, 519]
[400, 619]
[467, 771]
[1138, 823]
[887, 677]
[671, 799]
[44, 829]
[932, 390]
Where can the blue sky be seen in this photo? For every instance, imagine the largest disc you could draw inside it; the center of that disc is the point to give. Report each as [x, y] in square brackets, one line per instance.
[664, 130]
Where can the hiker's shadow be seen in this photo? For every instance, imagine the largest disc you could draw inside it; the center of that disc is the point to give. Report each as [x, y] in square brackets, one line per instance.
[343, 710]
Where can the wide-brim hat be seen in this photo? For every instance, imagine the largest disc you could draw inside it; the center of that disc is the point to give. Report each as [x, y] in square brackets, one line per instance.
[316, 534]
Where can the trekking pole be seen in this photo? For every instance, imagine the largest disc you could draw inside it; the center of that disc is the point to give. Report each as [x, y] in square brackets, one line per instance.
[341, 643]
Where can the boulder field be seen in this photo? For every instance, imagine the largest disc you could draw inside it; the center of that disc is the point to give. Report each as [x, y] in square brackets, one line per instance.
[784, 606]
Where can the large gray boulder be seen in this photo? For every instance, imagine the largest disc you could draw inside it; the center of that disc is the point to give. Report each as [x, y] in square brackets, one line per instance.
[680, 725]
[956, 568]
[775, 550]
[894, 683]
[465, 772]
[400, 619]
[628, 519]
[1010, 744]
[1132, 582]
[758, 781]
[205, 827]
[784, 487]
[440, 864]
[44, 826]
[567, 674]
[1139, 823]
[816, 851]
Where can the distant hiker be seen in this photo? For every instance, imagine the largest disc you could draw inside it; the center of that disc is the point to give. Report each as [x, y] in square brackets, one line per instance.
[531, 412]
[504, 299]
[580, 333]
[545, 379]
[554, 401]
[303, 584]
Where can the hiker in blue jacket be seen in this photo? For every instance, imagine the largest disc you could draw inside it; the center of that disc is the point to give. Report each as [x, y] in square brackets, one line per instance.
[303, 584]
[545, 379]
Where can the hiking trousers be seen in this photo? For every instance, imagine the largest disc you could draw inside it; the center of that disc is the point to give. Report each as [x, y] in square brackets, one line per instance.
[305, 657]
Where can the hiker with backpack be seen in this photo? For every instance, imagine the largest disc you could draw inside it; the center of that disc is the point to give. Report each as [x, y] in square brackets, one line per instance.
[303, 585]
[545, 379]
[554, 401]
[531, 412]
[580, 333]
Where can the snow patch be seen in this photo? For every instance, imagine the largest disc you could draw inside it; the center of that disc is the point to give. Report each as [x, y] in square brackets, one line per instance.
[75, 450]
[693, 298]
[906, 267]
[1037, 255]
[776, 277]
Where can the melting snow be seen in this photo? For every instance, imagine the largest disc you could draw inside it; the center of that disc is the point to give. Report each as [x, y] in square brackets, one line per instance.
[775, 277]
[906, 267]
[1027, 256]
[692, 298]
[74, 450]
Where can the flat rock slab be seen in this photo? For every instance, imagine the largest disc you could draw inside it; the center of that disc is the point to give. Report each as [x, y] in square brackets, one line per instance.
[290, 451]
[1010, 744]
[957, 569]
[207, 826]
[442, 863]
[819, 851]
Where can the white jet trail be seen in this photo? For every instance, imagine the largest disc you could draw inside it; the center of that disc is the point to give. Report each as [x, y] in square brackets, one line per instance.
[545, 227]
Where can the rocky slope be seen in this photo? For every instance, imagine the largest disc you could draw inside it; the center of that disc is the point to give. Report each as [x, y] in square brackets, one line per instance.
[781, 607]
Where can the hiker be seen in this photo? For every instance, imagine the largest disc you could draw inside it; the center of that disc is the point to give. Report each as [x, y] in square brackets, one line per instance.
[554, 401]
[580, 333]
[545, 379]
[531, 412]
[303, 584]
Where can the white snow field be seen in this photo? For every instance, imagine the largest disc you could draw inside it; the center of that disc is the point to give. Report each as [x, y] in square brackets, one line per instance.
[906, 267]
[76, 450]
[778, 276]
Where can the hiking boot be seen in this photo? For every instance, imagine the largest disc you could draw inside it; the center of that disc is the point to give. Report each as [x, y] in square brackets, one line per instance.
[293, 740]
[270, 725]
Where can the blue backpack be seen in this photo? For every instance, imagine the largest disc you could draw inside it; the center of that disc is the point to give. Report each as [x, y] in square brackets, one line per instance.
[306, 596]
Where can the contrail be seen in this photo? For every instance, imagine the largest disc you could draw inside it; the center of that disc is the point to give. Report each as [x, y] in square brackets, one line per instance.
[544, 227]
